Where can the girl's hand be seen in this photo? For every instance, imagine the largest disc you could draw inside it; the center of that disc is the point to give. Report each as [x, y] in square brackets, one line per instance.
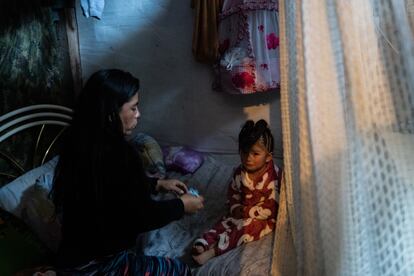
[171, 185]
[192, 204]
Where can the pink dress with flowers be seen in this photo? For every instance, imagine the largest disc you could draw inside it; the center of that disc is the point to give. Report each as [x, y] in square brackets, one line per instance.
[248, 46]
[260, 201]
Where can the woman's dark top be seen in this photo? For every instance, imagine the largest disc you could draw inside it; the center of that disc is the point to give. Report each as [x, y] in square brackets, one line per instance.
[98, 220]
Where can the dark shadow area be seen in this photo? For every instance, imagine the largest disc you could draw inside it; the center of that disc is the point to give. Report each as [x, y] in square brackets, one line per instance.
[34, 61]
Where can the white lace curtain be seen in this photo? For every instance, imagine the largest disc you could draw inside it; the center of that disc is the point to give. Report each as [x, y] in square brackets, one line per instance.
[347, 97]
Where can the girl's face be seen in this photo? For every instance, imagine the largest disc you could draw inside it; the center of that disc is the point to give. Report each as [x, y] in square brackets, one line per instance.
[256, 158]
[129, 114]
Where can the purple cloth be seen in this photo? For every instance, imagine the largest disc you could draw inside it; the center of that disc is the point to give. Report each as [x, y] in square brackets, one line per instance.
[182, 159]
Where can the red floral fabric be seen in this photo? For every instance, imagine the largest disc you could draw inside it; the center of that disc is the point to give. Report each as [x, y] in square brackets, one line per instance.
[248, 46]
[260, 201]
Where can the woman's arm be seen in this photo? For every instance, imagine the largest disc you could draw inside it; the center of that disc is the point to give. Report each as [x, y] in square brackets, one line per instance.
[156, 214]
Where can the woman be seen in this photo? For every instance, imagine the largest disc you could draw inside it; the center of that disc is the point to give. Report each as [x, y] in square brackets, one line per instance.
[101, 190]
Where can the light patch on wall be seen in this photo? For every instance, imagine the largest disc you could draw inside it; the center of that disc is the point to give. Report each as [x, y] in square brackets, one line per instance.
[257, 112]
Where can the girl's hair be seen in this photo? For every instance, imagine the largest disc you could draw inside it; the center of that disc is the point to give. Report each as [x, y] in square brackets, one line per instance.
[96, 125]
[252, 132]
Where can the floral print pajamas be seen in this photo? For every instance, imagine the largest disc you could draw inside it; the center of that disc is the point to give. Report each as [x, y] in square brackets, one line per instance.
[260, 205]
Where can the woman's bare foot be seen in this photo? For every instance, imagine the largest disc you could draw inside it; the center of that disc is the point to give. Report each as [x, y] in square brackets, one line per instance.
[203, 257]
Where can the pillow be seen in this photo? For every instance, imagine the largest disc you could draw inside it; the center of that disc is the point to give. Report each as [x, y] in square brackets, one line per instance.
[150, 153]
[10, 194]
[182, 159]
[19, 247]
[38, 212]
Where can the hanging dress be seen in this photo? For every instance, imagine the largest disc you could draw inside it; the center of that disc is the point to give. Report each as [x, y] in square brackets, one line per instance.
[248, 47]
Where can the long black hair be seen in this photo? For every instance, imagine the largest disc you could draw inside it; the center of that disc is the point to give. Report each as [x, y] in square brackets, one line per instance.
[101, 100]
[96, 126]
[252, 132]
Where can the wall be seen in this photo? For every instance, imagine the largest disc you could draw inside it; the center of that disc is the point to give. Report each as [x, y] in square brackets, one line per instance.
[152, 40]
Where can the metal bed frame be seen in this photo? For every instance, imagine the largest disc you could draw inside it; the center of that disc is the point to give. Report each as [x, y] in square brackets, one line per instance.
[33, 116]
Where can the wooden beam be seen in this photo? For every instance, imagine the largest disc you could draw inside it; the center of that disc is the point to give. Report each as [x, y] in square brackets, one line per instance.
[73, 47]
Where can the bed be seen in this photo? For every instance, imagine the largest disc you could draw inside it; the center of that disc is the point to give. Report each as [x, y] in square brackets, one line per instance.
[174, 240]
[30, 132]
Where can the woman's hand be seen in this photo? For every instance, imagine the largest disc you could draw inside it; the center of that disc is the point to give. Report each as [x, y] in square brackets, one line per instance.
[171, 185]
[192, 204]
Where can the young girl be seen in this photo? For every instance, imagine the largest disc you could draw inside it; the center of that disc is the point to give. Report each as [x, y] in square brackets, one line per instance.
[253, 196]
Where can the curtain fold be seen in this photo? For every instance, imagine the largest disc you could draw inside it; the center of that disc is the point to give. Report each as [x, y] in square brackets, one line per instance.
[347, 100]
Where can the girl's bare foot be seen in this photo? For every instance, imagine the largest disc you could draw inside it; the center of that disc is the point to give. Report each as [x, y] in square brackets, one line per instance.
[203, 257]
[198, 248]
